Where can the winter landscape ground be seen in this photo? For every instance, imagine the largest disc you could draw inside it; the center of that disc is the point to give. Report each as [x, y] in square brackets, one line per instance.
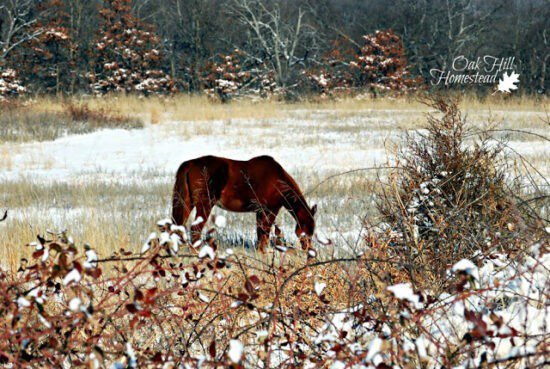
[108, 293]
[111, 185]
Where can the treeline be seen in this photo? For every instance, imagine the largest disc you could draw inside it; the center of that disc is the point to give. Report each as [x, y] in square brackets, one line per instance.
[229, 47]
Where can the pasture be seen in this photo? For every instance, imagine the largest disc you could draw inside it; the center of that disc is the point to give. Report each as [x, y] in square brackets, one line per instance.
[430, 250]
[109, 186]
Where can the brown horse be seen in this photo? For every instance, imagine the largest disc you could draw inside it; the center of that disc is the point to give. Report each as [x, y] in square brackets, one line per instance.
[258, 185]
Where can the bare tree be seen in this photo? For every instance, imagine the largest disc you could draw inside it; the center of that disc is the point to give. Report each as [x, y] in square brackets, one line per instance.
[274, 41]
[16, 19]
[190, 31]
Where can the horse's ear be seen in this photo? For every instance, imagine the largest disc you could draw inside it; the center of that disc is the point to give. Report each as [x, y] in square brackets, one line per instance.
[313, 210]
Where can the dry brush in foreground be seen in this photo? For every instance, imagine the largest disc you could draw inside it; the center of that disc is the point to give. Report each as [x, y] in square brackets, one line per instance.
[162, 308]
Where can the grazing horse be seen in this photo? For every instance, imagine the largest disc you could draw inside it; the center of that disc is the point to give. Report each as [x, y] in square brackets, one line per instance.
[259, 185]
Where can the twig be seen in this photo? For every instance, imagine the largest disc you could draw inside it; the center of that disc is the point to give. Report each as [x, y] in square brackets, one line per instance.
[342, 174]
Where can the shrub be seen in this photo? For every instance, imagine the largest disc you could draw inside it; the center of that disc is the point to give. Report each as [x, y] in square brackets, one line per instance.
[128, 54]
[227, 77]
[379, 66]
[176, 305]
[10, 85]
[448, 198]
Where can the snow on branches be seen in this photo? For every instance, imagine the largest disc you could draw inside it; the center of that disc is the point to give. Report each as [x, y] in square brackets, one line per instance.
[10, 85]
[381, 63]
[378, 66]
[227, 76]
[48, 61]
[227, 309]
[128, 55]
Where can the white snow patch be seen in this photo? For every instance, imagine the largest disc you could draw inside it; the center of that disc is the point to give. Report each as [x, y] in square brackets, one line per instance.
[236, 349]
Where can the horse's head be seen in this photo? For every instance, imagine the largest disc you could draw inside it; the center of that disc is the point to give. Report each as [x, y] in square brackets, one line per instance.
[305, 226]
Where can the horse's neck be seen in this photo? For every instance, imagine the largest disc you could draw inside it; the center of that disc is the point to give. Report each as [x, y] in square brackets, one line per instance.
[295, 202]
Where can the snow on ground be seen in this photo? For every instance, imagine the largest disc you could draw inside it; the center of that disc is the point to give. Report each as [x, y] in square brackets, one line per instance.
[164, 147]
[310, 144]
[309, 148]
[312, 141]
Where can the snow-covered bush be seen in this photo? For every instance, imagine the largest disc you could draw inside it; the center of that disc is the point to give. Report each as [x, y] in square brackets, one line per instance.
[174, 304]
[10, 85]
[379, 66]
[47, 60]
[449, 198]
[229, 76]
[128, 57]
[496, 314]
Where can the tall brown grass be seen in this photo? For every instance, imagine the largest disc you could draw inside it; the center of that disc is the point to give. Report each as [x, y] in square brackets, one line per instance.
[44, 120]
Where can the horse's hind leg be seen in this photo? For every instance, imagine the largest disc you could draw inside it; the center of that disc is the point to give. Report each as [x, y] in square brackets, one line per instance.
[181, 208]
[264, 220]
[181, 198]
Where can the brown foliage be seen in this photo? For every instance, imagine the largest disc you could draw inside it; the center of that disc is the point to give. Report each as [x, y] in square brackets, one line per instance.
[50, 56]
[378, 66]
[229, 76]
[10, 85]
[449, 196]
[164, 308]
[127, 54]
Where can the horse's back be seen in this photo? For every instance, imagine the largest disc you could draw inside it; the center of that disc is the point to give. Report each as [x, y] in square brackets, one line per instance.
[266, 167]
[206, 174]
[238, 185]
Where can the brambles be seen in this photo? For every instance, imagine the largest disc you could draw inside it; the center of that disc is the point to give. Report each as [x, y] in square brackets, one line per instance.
[167, 307]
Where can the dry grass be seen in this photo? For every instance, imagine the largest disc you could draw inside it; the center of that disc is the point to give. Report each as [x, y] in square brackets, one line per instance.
[47, 119]
[189, 108]
[113, 215]
[185, 107]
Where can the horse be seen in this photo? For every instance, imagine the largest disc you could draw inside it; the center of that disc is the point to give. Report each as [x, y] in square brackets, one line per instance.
[258, 185]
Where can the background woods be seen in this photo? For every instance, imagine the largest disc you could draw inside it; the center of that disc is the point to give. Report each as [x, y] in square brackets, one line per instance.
[285, 47]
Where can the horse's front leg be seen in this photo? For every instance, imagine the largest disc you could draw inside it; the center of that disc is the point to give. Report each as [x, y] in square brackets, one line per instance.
[264, 220]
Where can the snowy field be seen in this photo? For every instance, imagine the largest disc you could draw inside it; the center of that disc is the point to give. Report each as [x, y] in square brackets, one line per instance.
[110, 186]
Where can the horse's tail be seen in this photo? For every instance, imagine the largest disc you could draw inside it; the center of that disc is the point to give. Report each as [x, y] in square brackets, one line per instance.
[181, 200]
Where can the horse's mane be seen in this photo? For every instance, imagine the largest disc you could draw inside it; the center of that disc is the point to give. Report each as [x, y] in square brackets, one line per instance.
[292, 193]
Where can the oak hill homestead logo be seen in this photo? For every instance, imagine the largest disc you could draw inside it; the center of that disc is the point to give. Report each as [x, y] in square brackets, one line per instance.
[481, 70]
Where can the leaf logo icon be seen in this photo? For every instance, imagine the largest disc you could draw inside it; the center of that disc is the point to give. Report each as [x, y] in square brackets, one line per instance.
[507, 83]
